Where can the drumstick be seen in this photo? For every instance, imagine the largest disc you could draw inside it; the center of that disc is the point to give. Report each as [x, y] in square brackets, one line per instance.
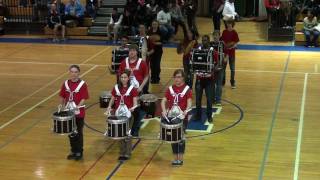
[180, 115]
[76, 108]
[134, 107]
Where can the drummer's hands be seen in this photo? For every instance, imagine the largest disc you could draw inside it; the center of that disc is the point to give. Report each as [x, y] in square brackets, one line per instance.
[108, 111]
[139, 89]
[185, 113]
[164, 113]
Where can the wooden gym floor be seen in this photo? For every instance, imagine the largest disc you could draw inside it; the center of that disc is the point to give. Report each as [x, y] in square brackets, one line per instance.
[277, 137]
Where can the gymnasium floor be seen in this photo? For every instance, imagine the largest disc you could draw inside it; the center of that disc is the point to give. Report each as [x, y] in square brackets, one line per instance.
[272, 116]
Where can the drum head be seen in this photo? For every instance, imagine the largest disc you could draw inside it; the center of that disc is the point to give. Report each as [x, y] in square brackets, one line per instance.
[63, 113]
[148, 98]
[170, 120]
[105, 94]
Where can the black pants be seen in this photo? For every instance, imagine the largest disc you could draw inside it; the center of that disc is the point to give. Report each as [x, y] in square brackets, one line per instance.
[78, 20]
[76, 139]
[216, 19]
[176, 23]
[138, 115]
[188, 72]
[191, 20]
[207, 86]
[155, 64]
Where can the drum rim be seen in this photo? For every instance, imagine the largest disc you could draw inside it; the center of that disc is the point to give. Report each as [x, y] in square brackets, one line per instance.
[171, 126]
[117, 121]
[149, 99]
[63, 118]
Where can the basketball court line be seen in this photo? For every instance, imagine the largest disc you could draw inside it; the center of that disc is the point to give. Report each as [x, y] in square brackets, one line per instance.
[39, 103]
[165, 68]
[299, 137]
[51, 82]
[273, 120]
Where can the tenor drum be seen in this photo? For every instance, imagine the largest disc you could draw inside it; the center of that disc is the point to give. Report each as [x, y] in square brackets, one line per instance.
[105, 99]
[117, 127]
[148, 104]
[171, 132]
[63, 122]
[117, 56]
[202, 61]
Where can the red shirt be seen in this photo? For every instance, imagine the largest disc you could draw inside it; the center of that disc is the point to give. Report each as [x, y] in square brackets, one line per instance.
[272, 3]
[227, 37]
[140, 74]
[128, 100]
[77, 97]
[183, 101]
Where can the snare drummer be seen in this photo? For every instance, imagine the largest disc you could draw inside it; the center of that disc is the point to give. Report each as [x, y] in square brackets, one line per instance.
[74, 93]
[178, 99]
[125, 98]
[205, 81]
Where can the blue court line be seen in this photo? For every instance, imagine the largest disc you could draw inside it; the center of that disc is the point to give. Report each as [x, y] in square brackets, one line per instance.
[121, 162]
[168, 45]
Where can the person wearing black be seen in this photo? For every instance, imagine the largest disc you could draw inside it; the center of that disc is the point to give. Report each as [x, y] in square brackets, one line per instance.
[55, 23]
[127, 23]
[191, 12]
[155, 59]
[217, 8]
[177, 18]
[204, 81]
[91, 8]
[3, 14]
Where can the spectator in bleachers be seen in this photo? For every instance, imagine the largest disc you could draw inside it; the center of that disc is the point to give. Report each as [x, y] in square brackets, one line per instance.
[314, 5]
[217, 8]
[114, 24]
[151, 12]
[131, 6]
[164, 19]
[127, 24]
[272, 7]
[191, 12]
[177, 18]
[309, 24]
[3, 14]
[74, 11]
[91, 8]
[55, 23]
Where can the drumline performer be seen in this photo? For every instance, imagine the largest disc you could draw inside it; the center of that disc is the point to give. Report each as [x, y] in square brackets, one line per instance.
[73, 94]
[125, 99]
[178, 99]
[205, 81]
[139, 76]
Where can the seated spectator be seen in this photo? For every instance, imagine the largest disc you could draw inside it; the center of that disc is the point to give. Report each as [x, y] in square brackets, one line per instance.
[114, 24]
[309, 24]
[3, 14]
[55, 23]
[74, 11]
[177, 18]
[91, 8]
[127, 28]
[272, 7]
[131, 6]
[164, 19]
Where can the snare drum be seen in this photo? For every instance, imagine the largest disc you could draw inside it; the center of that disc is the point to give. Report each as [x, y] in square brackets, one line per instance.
[202, 60]
[117, 56]
[63, 122]
[105, 99]
[148, 104]
[117, 127]
[171, 133]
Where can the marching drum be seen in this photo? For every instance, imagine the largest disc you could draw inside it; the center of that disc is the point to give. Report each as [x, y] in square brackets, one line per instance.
[117, 56]
[148, 104]
[202, 61]
[171, 132]
[105, 99]
[63, 122]
[117, 127]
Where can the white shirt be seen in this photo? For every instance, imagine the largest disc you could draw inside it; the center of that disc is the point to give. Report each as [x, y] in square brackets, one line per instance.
[229, 12]
[164, 18]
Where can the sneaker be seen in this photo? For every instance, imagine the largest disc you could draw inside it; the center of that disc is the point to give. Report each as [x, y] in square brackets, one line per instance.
[218, 104]
[123, 158]
[233, 86]
[210, 120]
[177, 163]
[71, 156]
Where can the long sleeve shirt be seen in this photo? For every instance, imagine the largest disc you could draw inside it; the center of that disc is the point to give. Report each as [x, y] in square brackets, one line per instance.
[309, 25]
[229, 11]
[164, 18]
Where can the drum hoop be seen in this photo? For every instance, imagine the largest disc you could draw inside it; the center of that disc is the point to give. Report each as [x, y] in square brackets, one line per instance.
[171, 126]
[118, 121]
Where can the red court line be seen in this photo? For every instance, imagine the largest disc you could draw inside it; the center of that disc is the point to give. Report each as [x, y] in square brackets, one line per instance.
[94, 164]
[149, 161]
